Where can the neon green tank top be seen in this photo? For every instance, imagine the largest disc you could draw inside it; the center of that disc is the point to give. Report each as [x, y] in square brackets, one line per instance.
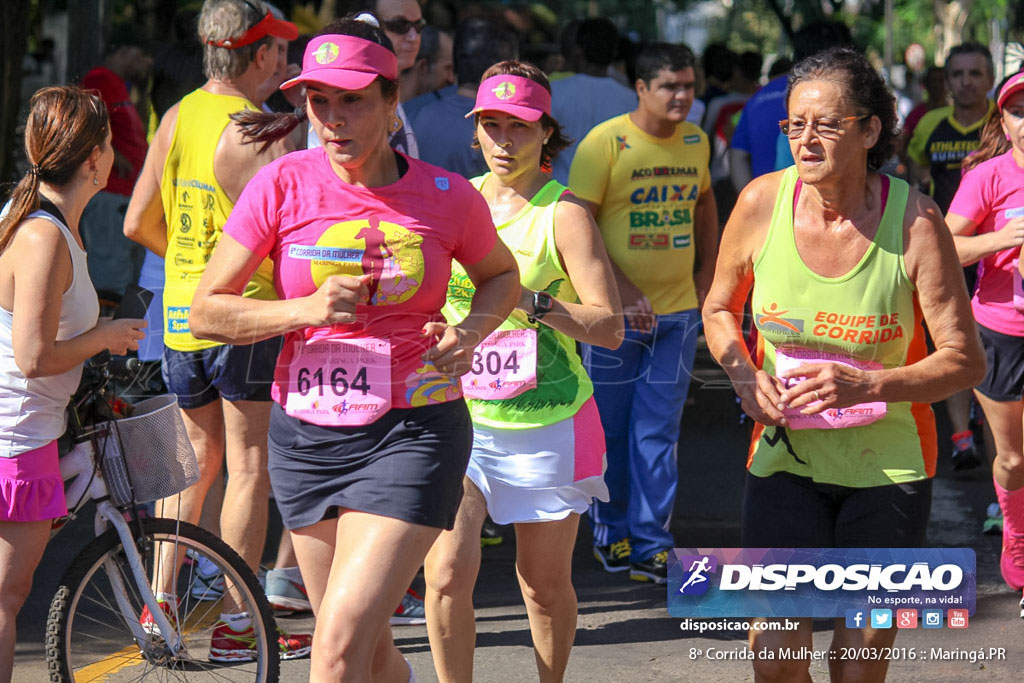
[562, 384]
[195, 209]
[869, 314]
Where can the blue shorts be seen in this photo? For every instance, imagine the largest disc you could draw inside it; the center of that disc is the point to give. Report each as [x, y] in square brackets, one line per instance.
[234, 373]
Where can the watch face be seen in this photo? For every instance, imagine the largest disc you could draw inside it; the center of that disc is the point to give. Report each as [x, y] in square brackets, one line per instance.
[542, 302]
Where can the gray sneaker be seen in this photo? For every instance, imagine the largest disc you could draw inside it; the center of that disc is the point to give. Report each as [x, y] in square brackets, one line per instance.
[285, 594]
[410, 611]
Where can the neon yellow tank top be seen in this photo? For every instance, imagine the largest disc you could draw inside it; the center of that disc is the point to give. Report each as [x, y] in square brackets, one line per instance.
[562, 383]
[195, 209]
[869, 314]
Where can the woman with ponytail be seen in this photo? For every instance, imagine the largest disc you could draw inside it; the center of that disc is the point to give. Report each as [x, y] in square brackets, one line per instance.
[987, 221]
[49, 326]
[369, 436]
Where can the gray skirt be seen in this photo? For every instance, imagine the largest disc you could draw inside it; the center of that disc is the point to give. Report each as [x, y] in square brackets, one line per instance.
[408, 465]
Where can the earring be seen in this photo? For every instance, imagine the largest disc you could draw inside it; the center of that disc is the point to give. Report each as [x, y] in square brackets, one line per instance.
[96, 179]
[546, 140]
[395, 125]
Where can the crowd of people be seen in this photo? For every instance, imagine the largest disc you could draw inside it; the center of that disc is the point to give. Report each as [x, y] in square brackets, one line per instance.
[416, 282]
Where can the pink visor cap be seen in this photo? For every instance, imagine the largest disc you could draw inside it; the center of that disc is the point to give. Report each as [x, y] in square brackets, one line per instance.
[515, 95]
[344, 62]
[1014, 85]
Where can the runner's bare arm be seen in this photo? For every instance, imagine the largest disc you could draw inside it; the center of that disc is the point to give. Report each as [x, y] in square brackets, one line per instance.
[972, 247]
[220, 312]
[597, 319]
[723, 308]
[144, 219]
[42, 272]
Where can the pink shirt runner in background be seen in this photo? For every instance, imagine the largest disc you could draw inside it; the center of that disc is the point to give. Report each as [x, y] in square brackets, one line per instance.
[990, 195]
[312, 225]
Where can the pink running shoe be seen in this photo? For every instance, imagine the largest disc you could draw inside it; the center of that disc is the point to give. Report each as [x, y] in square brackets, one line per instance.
[1012, 561]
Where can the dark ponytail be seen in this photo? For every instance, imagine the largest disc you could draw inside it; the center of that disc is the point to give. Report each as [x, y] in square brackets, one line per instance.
[65, 124]
[264, 129]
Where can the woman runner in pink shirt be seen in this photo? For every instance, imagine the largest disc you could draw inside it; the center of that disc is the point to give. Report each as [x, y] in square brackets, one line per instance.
[369, 436]
[987, 221]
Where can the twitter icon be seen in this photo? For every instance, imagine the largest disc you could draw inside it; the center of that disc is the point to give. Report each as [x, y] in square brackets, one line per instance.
[881, 618]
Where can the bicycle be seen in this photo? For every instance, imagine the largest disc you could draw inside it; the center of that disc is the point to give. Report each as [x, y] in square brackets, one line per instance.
[122, 456]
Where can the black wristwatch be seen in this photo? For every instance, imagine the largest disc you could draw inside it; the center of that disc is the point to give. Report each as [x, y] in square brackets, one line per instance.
[542, 305]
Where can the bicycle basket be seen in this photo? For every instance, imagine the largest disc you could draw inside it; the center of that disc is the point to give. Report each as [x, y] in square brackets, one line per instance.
[147, 456]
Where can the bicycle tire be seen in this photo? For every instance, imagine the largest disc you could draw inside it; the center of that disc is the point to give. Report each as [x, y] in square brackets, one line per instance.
[88, 638]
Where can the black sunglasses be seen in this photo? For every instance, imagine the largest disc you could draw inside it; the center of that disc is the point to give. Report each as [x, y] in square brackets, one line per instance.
[401, 25]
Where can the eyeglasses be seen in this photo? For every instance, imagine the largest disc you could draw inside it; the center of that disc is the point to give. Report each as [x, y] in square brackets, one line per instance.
[826, 128]
[401, 25]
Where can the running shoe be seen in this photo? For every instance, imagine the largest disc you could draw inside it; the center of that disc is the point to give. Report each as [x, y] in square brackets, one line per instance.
[994, 523]
[1022, 608]
[229, 645]
[1012, 561]
[965, 455]
[490, 534]
[410, 611]
[207, 580]
[655, 569]
[286, 594]
[149, 624]
[614, 557]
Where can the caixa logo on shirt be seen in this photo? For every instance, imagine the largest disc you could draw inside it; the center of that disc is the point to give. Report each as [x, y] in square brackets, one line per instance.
[816, 582]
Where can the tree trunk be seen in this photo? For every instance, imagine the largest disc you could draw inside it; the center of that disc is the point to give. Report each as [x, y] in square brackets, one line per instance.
[14, 16]
[950, 18]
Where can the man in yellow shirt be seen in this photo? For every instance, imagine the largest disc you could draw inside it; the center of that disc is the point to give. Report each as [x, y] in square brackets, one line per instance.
[196, 168]
[645, 176]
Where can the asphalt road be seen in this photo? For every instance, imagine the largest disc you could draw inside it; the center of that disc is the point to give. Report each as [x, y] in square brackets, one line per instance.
[624, 631]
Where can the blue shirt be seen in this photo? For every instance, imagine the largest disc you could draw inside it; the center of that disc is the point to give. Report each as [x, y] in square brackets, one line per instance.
[446, 135]
[757, 133]
[579, 103]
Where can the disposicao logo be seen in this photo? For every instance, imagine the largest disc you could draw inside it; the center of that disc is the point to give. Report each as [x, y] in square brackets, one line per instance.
[504, 90]
[818, 582]
[695, 581]
[326, 53]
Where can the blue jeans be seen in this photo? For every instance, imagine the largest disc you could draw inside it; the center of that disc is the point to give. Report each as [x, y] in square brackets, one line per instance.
[640, 389]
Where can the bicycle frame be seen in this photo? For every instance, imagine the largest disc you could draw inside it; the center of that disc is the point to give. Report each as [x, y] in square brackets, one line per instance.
[80, 465]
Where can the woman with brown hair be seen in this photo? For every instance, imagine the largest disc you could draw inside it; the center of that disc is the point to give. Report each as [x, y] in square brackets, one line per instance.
[986, 218]
[369, 435]
[48, 327]
[827, 240]
[538, 447]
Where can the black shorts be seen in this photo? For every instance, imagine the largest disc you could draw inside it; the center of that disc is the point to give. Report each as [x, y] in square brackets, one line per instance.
[786, 511]
[1004, 378]
[228, 371]
[409, 465]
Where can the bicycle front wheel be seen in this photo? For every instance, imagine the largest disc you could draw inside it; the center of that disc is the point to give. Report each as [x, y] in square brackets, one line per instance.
[89, 636]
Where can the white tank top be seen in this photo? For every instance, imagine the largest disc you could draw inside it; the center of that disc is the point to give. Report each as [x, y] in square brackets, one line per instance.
[32, 410]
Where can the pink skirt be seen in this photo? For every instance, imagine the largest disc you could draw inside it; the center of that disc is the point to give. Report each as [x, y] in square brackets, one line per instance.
[31, 489]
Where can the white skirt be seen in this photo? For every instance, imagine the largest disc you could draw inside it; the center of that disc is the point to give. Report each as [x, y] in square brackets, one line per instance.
[543, 473]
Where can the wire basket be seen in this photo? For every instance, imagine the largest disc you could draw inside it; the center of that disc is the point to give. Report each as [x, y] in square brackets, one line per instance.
[147, 456]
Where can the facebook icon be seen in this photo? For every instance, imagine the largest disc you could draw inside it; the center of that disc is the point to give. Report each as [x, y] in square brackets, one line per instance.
[854, 618]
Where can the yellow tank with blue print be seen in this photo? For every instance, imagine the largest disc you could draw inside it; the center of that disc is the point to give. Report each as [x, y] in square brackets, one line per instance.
[195, 209]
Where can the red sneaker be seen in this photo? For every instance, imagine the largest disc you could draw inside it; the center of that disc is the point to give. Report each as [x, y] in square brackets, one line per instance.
[149, 624]
[229, 645]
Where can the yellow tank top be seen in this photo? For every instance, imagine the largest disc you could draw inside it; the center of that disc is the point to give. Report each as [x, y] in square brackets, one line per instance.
[195, 209]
